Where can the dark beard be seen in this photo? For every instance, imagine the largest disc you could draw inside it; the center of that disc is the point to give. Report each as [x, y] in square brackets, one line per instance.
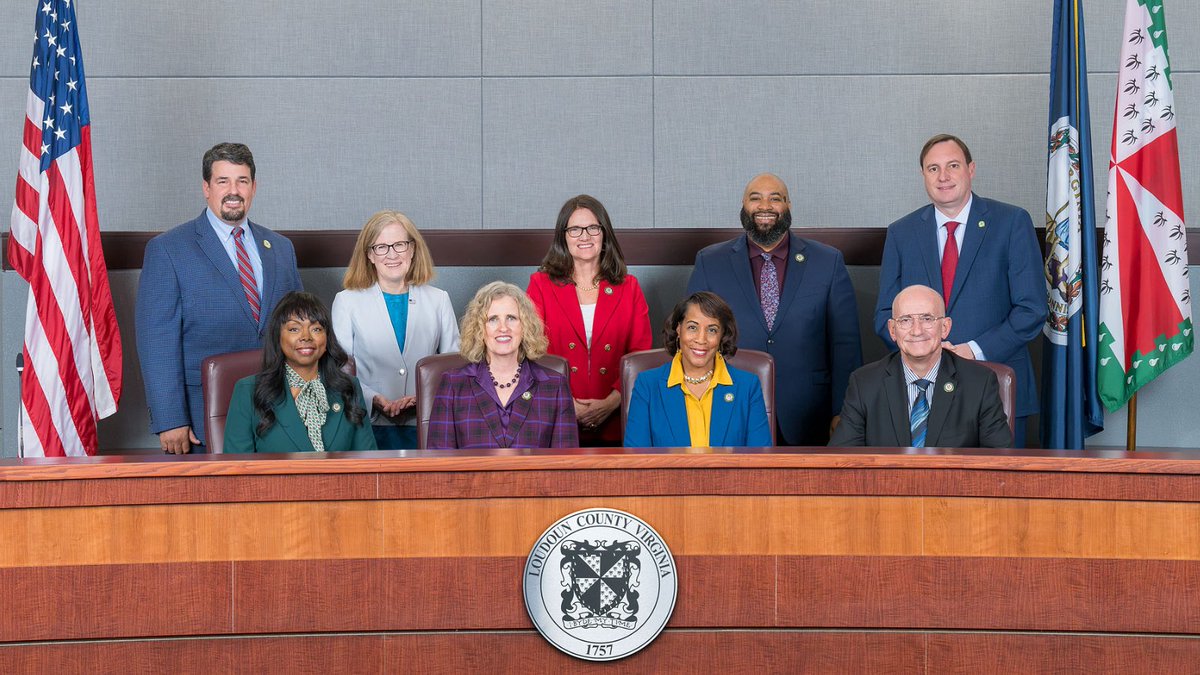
[767, 238]
[233, 213]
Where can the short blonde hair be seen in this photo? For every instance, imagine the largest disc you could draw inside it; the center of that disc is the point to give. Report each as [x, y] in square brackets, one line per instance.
[533, 336]
[360, 273]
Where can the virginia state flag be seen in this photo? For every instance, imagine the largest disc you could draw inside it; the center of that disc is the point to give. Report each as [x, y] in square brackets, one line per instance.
[1070, 404]
[1145, 304]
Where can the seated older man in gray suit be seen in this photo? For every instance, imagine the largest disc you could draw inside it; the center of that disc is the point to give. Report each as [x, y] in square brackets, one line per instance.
[924, 395]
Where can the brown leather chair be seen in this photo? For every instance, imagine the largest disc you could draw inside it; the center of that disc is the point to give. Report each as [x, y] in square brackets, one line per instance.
[218, 374]
[429, 376]
[1008, 388]
[749, 360]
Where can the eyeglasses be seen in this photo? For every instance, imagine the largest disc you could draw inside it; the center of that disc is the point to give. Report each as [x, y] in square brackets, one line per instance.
[576, 232]
[399, 247]
[926, 320]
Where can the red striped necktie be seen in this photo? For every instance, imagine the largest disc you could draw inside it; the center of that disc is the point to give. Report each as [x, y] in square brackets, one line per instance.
[246, 273]
[949, 261]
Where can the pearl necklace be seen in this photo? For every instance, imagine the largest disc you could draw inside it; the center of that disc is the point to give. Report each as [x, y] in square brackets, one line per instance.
[516, 376]
[594, 287]
[698, 380]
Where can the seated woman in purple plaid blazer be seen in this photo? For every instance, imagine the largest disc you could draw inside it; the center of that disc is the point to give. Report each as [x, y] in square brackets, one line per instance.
[502, 398]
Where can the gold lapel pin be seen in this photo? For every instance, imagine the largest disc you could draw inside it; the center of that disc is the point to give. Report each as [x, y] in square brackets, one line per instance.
[526, 396]
[729, 398]
[799, 257]
[948, 387]
[266, 244]
[337, 407]
[608, 290]
[981, 224]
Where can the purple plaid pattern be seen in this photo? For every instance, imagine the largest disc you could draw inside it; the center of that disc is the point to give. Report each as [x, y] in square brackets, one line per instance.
[464, 416]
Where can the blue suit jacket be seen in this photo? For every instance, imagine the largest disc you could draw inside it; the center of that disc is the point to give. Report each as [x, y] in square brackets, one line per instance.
[658, 415]
[191, 305]
[815, 340]
[289, 434]
[999, 294]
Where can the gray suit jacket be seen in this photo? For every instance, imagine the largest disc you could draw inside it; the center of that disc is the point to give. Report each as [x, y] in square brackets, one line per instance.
[964, 411]
[360, 321]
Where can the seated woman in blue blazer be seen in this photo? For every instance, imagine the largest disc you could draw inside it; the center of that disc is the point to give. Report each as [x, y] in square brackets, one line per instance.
[696, 400]
[301, 401]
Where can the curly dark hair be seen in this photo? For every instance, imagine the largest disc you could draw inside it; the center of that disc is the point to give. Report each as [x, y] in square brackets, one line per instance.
[270, 386]
[710, 304]
[558, 264]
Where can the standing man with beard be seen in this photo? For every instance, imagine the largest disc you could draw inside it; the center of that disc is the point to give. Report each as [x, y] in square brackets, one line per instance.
[207, 287]
[791, 298]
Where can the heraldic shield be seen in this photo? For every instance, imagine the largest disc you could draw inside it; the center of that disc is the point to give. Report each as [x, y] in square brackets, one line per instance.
[599, 581]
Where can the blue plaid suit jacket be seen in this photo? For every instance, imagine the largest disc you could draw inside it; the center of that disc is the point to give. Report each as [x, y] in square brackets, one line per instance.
[465, 416]
[190, 305]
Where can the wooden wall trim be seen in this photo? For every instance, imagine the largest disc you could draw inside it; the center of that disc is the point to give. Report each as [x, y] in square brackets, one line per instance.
[403, 461]
[47, 483]
[525, 247]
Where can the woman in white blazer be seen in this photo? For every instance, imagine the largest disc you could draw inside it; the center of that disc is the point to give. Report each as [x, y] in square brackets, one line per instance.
[388, 318]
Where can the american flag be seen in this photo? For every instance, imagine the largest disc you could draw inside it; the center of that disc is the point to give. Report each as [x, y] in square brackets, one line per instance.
[72, 353]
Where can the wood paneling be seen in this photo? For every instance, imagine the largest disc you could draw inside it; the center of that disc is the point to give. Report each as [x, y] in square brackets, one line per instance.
[1092, 654]
[206, 479]
[484, 593]
[1062, 528]
[115, 601]
[1035, 594]
[698, 525]
[673, 652]
[445, 528]
[525, 652]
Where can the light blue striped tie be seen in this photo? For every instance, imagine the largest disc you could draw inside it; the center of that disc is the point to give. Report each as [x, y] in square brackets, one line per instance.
[919, 418]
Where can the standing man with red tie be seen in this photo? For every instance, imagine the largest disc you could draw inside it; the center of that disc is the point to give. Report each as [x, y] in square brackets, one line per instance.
[207, 287]
[982, 256]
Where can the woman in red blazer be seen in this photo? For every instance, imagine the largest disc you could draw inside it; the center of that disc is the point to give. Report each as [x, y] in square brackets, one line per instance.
[594, 313]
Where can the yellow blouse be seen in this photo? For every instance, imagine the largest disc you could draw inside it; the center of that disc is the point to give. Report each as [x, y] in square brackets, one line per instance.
[699, 410]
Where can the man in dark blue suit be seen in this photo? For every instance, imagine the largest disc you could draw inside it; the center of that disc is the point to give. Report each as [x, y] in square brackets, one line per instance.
[982, 256]
[791, 298]
[207, 287]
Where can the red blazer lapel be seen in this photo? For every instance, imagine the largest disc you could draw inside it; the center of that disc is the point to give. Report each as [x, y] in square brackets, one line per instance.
[568, 307]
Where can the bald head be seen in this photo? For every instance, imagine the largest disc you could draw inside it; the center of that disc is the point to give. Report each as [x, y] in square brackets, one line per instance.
[766, 183]
[766, 210]
[918, 326]
[918, 297]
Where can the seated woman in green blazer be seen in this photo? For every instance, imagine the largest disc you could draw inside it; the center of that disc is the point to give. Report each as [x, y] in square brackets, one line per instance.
[301, 401]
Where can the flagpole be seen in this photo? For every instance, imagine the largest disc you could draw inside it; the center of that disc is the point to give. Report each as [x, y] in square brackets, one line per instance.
[1131, 425]
[20, 406]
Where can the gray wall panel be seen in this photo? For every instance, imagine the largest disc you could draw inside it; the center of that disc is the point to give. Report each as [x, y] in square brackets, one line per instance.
[567, 37]
[228, 38]
[329, 152]
[846, 146]
[767, 37]
[867, 37]
[547, 139]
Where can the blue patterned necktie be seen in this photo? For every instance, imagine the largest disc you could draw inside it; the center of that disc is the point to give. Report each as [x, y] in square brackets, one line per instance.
[768, 289]
[919, 417]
